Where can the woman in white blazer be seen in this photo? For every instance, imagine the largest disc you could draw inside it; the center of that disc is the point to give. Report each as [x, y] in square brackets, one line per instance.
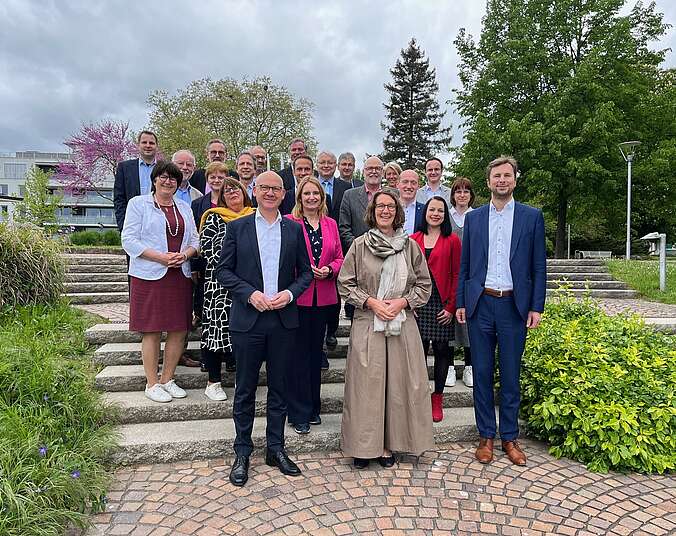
[159, 235]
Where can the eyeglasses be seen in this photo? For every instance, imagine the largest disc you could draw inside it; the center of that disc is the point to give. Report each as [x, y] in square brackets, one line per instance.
[265, 188]
[231, 190]
[167, 178]
[373, 168]
[383, 207]
[217, 152]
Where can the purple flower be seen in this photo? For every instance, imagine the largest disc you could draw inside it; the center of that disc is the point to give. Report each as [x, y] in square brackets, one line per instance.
[75, 474]
[43, 451]
[45, 397]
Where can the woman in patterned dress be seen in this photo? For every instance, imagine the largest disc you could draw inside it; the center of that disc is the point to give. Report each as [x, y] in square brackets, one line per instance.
[435, 319]
[234, 203]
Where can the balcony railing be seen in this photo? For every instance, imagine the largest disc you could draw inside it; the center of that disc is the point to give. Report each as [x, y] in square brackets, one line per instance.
[86, 220]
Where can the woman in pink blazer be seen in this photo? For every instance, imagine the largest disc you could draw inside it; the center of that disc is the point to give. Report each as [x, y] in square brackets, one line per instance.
[326, 258]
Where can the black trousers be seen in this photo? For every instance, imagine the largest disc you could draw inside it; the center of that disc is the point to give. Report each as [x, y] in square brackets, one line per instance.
[304, 370]
[332, 318]
[268, 340]
[442, 362]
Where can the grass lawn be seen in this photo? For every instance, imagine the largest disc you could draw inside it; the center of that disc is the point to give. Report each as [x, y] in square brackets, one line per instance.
[54, 429]
[643, 276]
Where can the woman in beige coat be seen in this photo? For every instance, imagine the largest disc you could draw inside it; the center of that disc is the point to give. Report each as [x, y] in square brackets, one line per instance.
[387, 394]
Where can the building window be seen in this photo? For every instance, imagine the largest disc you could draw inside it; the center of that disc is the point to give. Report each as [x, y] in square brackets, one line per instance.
[4, 189]
[22, 190]
[15, 171]
[4, 209]
[106, 212]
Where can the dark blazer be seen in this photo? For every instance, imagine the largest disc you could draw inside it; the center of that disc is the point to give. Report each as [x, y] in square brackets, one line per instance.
[126, 186]
[339, 188]
[199, 180]
[527, 259]
[354, 183]
[289, 201]
[287, 176]
[419, 215]
[351, 222]
[239, 270]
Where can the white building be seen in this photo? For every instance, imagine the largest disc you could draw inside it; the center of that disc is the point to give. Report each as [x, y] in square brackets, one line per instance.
[90, 210]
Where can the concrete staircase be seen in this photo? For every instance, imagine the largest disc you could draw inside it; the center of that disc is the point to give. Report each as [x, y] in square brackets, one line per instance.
[197, 427]
[583, 276]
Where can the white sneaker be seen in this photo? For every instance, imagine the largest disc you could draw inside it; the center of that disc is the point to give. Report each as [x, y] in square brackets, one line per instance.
[157, 394]
[450, 377]
[467, 377]
[174, 390]
[215, 392]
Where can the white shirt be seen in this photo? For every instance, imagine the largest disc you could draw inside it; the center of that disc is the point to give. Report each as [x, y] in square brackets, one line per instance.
[499, 274]
[145, 228]
[269, 236]
[409, 222]
[426, 193]
[458, 218]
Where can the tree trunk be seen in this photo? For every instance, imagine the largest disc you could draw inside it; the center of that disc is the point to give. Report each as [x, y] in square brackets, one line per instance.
[561, 217]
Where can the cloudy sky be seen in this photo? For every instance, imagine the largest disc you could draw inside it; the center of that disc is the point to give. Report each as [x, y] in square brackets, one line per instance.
[64, 62]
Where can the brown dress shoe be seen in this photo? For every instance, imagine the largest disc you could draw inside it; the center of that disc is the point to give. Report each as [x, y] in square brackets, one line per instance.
[484, 452]
[514, 452]
[187, 361]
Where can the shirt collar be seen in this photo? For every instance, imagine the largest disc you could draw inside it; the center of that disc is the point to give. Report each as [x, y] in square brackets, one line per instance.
[509, 207]
[325, 179]
[141, 162]
[260, 217]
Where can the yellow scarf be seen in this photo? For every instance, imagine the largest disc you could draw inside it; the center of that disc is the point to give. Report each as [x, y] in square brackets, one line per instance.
[225, 213]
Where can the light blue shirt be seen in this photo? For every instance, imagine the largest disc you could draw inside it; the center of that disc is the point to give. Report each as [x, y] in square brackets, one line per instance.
[184, 195]
[269, 237]
[426, 193]
[144, 171]
[327, 184]
[409, 222]
[249, 189]
[499, 274]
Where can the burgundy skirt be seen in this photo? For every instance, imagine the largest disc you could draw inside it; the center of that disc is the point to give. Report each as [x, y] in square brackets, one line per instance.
[161, 305]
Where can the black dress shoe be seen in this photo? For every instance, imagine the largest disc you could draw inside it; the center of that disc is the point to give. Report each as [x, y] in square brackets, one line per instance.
[386, 461]
[230, 367]
[331, 342]
[361, 463]
[325, 361]
[302, 429]
[280, 460]
[316, 420]
[239, 473]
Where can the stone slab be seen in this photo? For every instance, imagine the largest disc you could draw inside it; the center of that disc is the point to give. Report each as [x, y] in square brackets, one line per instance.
[97, 286]
[92, 277]
[94, 258]
[96, 297]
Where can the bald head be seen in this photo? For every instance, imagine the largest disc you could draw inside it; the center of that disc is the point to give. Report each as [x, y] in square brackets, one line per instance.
[271, 178]
[408, 185]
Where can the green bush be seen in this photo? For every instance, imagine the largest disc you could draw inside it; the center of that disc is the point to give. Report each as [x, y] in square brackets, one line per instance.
[600, 389]
[96, 238]
[31, 269]
[53, 431]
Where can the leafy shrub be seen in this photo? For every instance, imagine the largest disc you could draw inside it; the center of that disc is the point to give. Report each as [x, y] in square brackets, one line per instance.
[600, 388]
[96, 238]
[31, 269]
[53, 431]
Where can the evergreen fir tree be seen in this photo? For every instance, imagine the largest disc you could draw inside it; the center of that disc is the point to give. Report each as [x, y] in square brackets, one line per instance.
[413, 129]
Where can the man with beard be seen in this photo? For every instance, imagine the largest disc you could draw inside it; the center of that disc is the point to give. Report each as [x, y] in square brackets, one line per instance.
[501, 294]
[185, 161]
[261, 158]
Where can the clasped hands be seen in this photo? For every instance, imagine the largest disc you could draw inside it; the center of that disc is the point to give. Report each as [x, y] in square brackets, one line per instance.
[173, 259]
[320, 273]
[387, 310]
[262, 303]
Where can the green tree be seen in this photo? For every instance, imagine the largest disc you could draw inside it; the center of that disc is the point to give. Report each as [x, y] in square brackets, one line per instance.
[242, 114]
[38, 206]
[559, 84]
[413, 129]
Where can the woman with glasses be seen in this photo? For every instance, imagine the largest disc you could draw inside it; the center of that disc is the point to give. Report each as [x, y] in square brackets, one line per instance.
[387, 397]
[435, 319]
[462, 199]
[232, 203]
[159, 235]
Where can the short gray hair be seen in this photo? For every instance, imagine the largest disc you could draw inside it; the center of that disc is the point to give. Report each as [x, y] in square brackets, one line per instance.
[326, 153]
[347, 156]
[245, 153]
[296, 140]
[173, 156]
[216, 140]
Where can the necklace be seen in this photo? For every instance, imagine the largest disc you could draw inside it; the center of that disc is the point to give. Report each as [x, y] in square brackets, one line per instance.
[173, 205]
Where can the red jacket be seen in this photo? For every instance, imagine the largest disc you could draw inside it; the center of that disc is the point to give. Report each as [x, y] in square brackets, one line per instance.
[332, 255]
[444, 263]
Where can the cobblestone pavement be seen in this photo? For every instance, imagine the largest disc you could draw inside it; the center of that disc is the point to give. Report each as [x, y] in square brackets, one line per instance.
[447, 493]
[119, 312]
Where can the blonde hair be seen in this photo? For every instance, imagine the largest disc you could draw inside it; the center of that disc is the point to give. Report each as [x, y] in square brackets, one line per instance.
[297, 211]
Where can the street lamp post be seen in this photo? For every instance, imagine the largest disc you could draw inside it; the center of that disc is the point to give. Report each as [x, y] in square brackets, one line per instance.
[628, 150]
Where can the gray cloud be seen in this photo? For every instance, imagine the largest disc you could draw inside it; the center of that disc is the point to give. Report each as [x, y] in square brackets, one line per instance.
[67, 62]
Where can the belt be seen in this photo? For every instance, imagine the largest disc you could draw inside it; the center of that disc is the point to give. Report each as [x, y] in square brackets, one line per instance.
[498, 293]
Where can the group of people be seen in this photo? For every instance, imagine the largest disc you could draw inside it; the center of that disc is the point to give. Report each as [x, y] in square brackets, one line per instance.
[263, 260]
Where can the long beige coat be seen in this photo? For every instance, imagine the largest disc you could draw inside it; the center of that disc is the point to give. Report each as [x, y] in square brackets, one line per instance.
[387, 395]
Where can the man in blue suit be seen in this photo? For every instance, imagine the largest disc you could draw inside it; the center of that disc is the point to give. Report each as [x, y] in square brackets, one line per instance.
[408, 184]
[265, 267]
[501, 293]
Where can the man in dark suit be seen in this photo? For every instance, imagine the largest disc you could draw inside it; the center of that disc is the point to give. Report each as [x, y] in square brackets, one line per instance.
[346, 165]
[501, 293]
[408, 184]
[303, 166]
[264, 264]
[297, 147]
[132, 177]
[216, 152]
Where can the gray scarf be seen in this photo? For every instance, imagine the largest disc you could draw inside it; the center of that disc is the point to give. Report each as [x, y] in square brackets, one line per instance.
[393, 275]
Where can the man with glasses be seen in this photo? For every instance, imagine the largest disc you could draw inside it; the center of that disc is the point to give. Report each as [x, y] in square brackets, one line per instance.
[261, 158]
[216, 152]
[264, 280]
[185, 161]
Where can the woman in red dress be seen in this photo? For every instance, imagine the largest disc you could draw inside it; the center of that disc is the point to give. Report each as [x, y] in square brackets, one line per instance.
[159, 235]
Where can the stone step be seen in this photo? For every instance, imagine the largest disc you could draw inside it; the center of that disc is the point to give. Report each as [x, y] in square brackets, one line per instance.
[118, 378]
[576, 262]
[664, 324]
[164, 442]
[100, 268]
[596, 285]
[104, 277]
[135, 407]
[95, 250]
[573, 269]
[579, 276]
[96, 297]
[97, 287]
[612, 293]
[94, 259]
